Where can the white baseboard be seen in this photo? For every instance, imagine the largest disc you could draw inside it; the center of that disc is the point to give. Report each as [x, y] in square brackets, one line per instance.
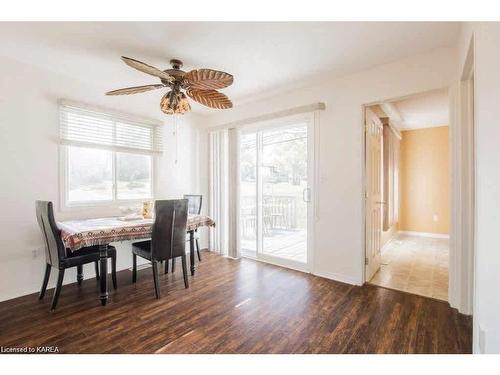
[346, 279]
[424, 234]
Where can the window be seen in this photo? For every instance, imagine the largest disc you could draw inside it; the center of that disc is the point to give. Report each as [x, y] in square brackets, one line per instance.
[106, 157]
[90, 174]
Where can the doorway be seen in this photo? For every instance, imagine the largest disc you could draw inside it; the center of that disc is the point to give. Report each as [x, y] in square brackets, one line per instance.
[275, 192]
[407, 171]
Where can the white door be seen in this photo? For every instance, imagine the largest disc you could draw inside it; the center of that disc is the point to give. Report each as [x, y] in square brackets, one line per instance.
[373, 194]
[275, 194]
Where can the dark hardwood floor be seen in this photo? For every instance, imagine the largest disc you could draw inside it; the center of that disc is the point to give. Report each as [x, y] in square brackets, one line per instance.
[235, 307]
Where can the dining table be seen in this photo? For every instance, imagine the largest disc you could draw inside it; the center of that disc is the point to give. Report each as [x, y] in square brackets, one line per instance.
[77, 234]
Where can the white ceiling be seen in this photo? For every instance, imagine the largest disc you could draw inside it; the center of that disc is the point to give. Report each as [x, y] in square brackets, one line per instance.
[261, 56]
[420, 111]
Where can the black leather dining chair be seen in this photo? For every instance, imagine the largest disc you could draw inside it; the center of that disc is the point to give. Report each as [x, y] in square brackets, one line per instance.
[168, 239]
[194, 208]
[57, 255]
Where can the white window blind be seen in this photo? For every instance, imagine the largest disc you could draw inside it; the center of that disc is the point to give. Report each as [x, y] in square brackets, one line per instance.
[86, 127]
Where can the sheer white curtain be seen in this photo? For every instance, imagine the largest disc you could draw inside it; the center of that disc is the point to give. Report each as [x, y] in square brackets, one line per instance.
[223, 191]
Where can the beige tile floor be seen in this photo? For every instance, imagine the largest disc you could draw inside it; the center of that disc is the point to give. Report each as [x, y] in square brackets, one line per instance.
[417, 265]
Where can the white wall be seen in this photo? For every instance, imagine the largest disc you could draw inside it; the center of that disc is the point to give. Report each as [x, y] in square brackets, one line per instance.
[29, 161]
[339, 251]
[486, 313]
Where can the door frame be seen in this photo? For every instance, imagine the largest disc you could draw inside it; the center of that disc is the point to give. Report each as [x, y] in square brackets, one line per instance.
[363, 168]
[462, 232]
[463, 153]
[312, 121]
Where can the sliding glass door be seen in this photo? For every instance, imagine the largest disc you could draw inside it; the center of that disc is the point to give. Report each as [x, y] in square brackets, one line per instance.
[275, 194]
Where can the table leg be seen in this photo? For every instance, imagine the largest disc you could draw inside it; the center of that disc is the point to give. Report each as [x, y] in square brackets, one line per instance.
[191, 251]
[103, 260]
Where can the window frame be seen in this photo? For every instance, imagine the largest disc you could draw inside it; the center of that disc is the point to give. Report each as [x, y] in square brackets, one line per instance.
[66, 204]
[63, 165]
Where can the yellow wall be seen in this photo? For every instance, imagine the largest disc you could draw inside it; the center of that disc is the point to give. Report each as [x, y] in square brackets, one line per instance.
[424, 183]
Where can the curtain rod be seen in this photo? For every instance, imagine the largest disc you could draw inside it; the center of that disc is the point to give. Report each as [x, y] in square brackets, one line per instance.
[270, 116]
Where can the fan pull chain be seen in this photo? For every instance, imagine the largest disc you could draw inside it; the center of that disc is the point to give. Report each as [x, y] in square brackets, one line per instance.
[176, 135]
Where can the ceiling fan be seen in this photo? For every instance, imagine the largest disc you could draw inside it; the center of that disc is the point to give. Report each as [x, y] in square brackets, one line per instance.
[201, 85]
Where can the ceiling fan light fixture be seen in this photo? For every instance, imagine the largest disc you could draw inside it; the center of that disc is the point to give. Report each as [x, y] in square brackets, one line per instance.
[184, 103]
[174, 103]
[200, 85]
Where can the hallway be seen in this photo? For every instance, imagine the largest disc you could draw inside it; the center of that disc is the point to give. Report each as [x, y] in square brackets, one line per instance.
[417, 265]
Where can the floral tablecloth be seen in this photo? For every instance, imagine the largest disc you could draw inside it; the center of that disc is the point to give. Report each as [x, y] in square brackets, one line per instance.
[90, 232]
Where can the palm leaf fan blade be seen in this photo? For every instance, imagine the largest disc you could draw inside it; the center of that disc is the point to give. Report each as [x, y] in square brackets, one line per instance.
[208, 79]
[135, 90]
[148, 69]
[210, 98]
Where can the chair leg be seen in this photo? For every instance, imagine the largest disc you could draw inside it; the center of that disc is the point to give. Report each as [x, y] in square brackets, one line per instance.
[113, 272]
[55, 298]
[45, 281]
[156, 278]
[173, 265]
[184, 271]
[134, 268]
[166, 265]
[198, 250]
[79, 274]
[96, 264]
